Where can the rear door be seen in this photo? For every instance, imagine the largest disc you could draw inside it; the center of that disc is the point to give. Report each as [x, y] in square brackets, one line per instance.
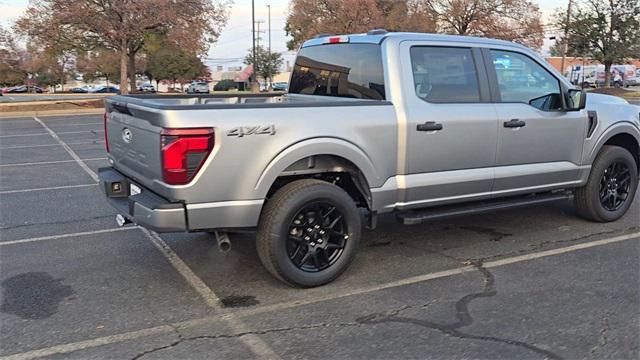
[451, 127]
[539, 143]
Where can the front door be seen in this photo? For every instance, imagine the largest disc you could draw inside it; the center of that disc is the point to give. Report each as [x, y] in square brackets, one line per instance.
[539, 143]
[451, 126]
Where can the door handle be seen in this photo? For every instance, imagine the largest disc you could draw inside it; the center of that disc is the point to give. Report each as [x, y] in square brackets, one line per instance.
[515, 123]
[429, 126]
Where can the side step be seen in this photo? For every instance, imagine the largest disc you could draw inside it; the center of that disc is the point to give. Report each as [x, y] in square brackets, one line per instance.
[412, 217]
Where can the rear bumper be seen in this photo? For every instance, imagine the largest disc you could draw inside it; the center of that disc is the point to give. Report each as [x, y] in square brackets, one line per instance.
[156, 213]
[145, 209]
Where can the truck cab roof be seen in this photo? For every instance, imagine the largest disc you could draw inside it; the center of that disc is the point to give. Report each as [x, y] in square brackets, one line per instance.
[378, 36]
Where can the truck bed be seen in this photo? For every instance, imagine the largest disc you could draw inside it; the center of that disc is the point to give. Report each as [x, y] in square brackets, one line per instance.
[229, 101]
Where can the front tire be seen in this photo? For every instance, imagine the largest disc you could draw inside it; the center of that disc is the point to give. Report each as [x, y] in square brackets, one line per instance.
[611, 186]
[309, 233]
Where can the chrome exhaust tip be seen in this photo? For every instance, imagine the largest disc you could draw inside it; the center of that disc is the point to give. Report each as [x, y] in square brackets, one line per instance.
[224, 244]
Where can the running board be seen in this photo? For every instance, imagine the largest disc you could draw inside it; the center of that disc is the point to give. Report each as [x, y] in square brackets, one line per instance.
[412, 217]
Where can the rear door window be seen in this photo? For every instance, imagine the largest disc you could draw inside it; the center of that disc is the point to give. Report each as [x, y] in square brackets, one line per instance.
[444, 74]
[343, 70]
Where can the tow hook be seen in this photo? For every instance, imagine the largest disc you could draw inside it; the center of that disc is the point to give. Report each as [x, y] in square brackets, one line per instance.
[121, 220]
[224, 244]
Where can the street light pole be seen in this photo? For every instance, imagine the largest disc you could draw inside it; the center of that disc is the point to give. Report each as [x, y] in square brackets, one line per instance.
[253, 35]
[269, 8]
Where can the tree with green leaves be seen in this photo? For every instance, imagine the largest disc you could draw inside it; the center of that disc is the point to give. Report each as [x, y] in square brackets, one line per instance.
[171, 63]
[606, 30]
[267, 63]
[99, 64]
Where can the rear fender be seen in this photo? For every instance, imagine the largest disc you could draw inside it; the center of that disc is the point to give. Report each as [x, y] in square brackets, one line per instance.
[317, 146]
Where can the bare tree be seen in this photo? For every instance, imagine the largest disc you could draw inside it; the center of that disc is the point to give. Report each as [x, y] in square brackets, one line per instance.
[513, 20]
[121, 25]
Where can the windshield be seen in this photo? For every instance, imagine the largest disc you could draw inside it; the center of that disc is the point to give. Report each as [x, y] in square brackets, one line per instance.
[344, 70]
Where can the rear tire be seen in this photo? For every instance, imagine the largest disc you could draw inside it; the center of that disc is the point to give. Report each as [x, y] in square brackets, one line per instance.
[611, 186]
[309, 233]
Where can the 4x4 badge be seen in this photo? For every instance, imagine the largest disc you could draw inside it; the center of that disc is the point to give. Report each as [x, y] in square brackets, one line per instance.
[252, 130]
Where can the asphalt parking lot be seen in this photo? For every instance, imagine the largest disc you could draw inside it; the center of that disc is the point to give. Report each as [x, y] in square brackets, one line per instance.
[528, 284]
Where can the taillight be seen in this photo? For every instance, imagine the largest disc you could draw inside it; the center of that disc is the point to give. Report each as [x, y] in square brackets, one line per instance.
[106, 136]
[183, 153]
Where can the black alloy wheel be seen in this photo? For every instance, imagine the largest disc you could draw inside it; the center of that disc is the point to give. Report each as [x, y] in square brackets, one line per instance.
[614, 186]
[317, 236]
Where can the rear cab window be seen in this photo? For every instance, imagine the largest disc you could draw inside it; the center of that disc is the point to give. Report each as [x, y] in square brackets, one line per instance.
[444, 74]
[344, 70]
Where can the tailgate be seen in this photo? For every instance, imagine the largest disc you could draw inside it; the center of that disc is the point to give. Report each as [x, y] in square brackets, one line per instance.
[134, 147]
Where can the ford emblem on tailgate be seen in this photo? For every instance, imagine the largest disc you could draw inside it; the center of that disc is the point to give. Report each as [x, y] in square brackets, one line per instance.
[127, 136]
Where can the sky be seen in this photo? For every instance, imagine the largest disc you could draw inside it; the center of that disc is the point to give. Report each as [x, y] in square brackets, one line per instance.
[235, 39]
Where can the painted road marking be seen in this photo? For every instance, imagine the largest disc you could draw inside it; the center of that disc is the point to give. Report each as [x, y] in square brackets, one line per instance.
[64, 236]
[46, 188]
[73, 154]
[253, 342]
[49, 162]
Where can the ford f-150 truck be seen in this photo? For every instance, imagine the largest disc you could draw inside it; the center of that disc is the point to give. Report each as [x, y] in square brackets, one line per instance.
[420, 125]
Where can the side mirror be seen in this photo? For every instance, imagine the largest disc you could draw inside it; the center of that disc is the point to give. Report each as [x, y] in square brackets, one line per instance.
[576, 100]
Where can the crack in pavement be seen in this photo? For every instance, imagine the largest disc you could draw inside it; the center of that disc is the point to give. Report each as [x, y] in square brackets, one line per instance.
[530, 248]
[463, 319]
[463, 316]
[182, 339]
[604, 340]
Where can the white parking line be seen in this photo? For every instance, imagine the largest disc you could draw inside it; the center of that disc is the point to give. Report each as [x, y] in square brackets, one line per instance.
[23, 135]
[112, 339]
[59, 133]
[73, 154]
[253, 342]
[64, 236]
[18, 117]
[46, 188]
[49, 162]
[65, 124]
[46, 145]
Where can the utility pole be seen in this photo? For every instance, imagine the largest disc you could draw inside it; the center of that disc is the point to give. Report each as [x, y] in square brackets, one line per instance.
[259, 32]
[565, 45]
[269, 8]
[254, 76]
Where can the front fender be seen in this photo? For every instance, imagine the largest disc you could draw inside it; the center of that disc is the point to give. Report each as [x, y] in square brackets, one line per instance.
[622, 127]
[316, 146]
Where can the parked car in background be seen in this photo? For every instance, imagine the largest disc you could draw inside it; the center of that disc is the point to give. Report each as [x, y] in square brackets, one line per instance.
[106, 90]
[594, 75]
[80, 90]
[25, 89]
[147, 88]
[225, 85]
[198, 87]
[280, 86]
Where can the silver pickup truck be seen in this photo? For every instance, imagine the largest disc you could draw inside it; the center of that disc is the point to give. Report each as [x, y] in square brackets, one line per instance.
[424, 126]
